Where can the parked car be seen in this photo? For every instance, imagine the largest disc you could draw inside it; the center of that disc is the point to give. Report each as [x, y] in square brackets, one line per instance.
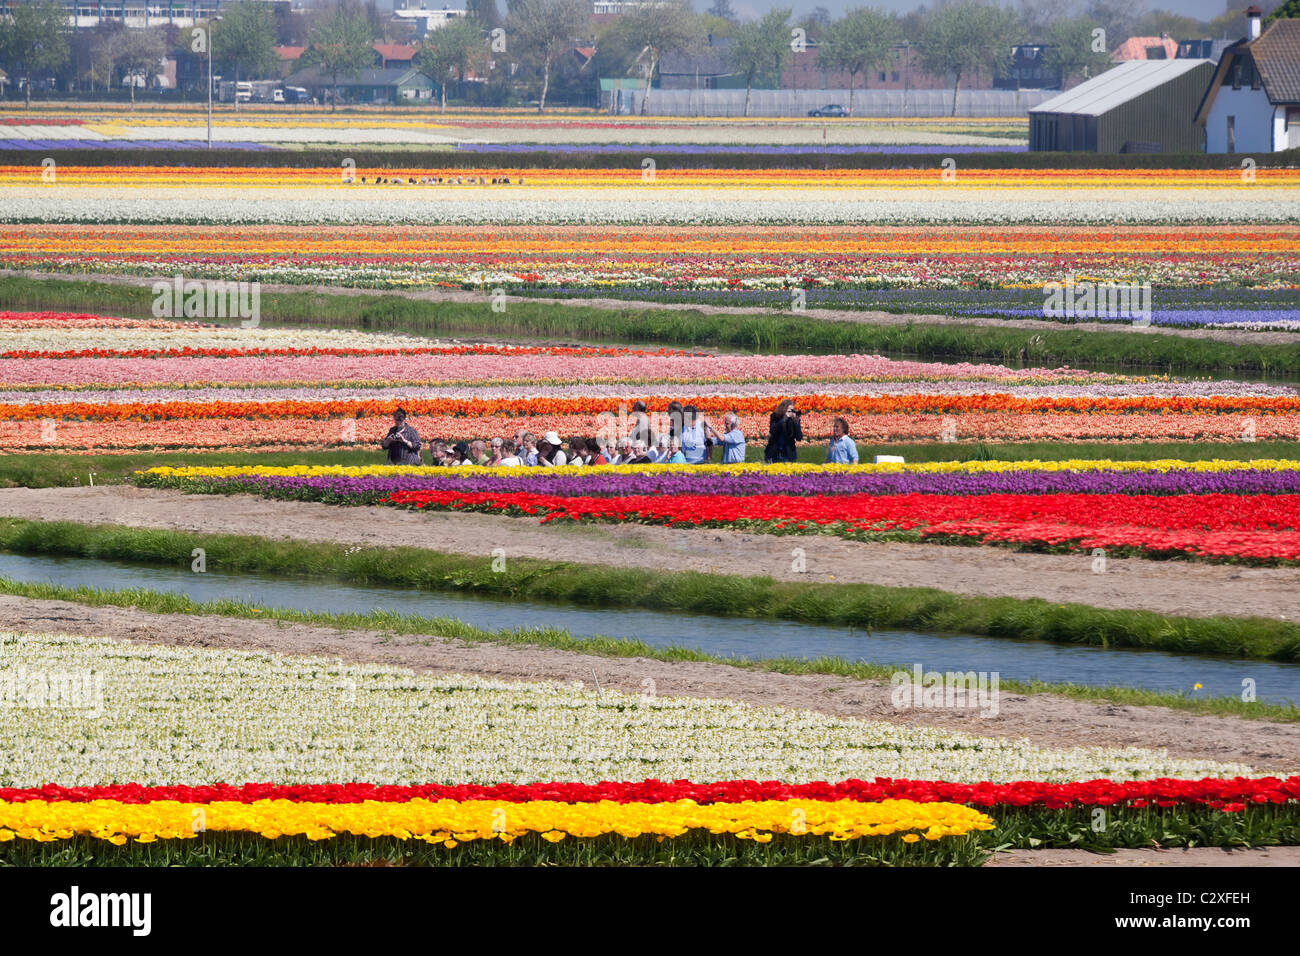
[833, 109]
[295, 94]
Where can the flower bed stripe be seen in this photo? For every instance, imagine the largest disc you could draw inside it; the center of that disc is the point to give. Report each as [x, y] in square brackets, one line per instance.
[917, 404]
[1220, 793]
[1258, 527]
[601, 483]
[450, 822]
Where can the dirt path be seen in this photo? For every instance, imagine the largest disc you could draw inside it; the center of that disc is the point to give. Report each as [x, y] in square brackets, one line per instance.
[1041, 718]
[1201, 856]
[1234, 336]
[1167, 587]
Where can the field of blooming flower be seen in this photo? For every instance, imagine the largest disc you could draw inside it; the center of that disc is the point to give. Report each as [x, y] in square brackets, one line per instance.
[87, 126]
[182, 755]
[369, 753]
[88, 383]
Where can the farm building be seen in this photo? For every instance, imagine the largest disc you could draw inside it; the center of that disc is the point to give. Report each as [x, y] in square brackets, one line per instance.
[1252, 104]
[396, 84]
[1140, 106]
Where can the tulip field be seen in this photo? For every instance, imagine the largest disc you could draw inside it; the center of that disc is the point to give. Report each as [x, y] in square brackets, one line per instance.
[133, 736]
[342, 744]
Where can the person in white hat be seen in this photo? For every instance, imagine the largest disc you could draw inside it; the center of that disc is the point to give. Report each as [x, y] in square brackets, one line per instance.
[556, 457]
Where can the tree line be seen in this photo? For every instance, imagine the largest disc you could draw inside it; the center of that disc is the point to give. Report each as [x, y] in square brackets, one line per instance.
[540, 48]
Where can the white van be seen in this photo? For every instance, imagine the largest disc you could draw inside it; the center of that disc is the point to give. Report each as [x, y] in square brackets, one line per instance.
[243, 91]
[277, 96]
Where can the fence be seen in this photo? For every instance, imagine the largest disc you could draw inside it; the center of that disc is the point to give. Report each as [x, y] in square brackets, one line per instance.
[899, 103]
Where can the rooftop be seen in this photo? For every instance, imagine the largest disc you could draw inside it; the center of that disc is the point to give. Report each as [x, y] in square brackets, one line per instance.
[1117, 85]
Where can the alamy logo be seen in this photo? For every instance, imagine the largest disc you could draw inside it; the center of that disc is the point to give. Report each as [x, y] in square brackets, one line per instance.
[208, 299]
[951, 689]
[74, 908]
[1097, 300]
[21, 688]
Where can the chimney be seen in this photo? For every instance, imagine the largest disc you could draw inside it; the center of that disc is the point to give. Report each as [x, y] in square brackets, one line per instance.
[1254, 16]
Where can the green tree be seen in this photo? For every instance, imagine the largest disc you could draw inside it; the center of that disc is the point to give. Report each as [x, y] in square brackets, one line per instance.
[340, 44]
[1288, 10]
[451, 47]
[723, 10]
[135, 53]
[862, 40]
[1076, 49]
[542, 31]
[1176, 25]
[655, 31]
[1117, 17]
[760, 48]
[964, 38]
[34, 40]
[485, 12]
[243, 40]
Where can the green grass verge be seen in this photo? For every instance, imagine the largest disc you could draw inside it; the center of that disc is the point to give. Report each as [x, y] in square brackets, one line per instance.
[56, 470]
[694, 849]
[161, 602]
[370, 157]
[759, 332]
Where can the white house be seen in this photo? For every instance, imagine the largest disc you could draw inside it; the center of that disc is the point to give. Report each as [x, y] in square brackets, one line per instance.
[1253, 103]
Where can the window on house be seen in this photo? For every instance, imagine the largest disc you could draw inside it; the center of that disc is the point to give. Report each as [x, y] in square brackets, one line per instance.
[882, 77]
[1232, 134]
[1236, 75]
[894, 76]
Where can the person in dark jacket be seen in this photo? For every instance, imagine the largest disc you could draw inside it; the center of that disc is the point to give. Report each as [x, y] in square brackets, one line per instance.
[402, 442]
[783, 430]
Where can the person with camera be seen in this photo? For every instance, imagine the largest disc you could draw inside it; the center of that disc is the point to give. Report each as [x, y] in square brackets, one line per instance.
[402, 441]
[783, 430]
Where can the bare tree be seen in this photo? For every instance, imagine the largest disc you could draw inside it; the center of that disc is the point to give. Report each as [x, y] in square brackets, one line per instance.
[861, 40]
[543, 31]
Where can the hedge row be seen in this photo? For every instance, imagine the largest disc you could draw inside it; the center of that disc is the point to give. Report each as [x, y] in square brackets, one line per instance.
[449, 159]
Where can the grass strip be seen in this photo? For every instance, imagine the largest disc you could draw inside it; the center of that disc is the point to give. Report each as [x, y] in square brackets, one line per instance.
[62, 470]
[694, 849]
[369, 157]
[760, 332]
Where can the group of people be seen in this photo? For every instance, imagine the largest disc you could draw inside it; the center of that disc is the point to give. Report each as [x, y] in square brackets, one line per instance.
[443, 181]
[689, 439]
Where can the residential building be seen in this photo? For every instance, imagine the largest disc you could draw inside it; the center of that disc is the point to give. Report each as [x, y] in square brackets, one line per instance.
[1252, 104]
[902, 72]
[391, 85]
[1163, 47]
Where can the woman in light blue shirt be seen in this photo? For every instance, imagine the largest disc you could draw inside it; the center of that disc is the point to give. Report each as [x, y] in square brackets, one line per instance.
[843, 450]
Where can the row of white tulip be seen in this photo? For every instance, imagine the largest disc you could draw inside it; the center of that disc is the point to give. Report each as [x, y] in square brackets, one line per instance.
[181, 715]
[647, 204]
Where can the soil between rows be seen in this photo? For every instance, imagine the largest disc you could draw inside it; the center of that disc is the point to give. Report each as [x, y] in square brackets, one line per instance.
[1175, 587]
[1042, 719]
